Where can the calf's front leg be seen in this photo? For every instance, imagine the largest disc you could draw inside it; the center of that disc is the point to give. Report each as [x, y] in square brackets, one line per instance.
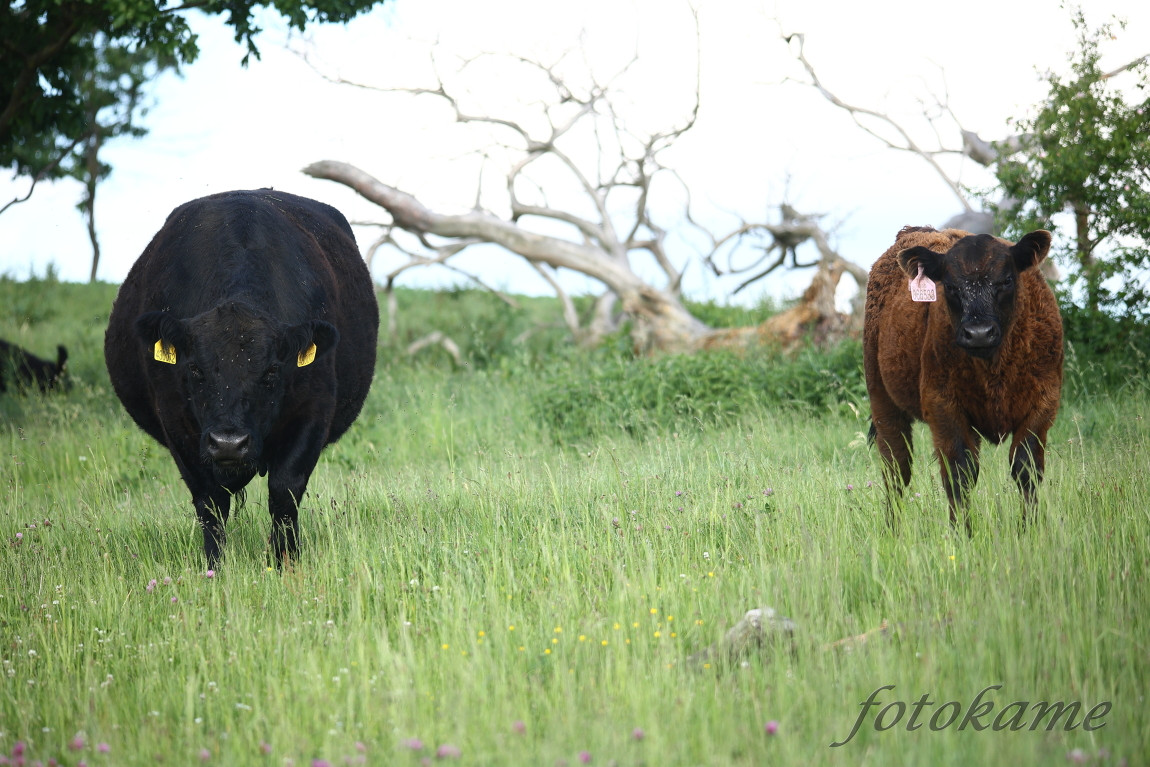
[1027, 464]
[956, 446]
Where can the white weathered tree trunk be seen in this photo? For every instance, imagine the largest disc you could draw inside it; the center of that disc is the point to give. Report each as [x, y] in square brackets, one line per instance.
[606, 223]
[660, 319]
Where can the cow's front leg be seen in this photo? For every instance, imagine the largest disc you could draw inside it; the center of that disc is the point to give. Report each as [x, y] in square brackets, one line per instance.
[212, 509]
[893, 436]
[283, 503]
[211, 500]
[287, 483]
[956, 446]
[1027, 464]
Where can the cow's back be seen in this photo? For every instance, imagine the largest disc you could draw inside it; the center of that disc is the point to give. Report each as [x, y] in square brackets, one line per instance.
[294, 258]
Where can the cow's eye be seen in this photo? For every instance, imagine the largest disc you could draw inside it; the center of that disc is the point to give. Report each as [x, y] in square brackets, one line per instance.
[1007, 284]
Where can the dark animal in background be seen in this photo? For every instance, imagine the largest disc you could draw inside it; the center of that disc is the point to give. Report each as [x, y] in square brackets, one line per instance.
[20, 369]
[244, 340]
[983, 360]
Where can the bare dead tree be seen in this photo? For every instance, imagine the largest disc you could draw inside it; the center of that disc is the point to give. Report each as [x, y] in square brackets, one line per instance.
[605, 223]
[945, 126]
[950, 138]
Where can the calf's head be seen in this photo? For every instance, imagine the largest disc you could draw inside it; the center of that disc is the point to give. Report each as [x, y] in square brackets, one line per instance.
[979, 277]
[232, 367]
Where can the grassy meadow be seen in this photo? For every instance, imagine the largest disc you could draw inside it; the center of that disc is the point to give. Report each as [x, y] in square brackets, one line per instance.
[513, 563]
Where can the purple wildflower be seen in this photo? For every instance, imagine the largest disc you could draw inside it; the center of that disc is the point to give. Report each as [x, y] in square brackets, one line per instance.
[638, 734]
[771, 727]
[103, 748]
[518, 726]
[415, 744]
[448, 751]
[585, 757]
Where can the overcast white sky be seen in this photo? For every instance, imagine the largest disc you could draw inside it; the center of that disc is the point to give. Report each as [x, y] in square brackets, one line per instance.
[759, 139]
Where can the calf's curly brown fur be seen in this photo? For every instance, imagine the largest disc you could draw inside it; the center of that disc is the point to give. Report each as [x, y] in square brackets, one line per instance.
[983, 360]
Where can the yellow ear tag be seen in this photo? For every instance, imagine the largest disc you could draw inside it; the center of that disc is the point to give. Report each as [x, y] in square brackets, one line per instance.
[305, 358]
[165, 352]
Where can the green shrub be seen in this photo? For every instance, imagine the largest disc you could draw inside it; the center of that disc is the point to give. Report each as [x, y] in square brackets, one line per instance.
[593, 394]
[721, 315]
[1104, 352]
[486, 328]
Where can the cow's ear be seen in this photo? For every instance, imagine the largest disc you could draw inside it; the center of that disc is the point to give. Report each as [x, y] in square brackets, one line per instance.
[307, 342]
[933, 264]
[163, 333]
[1031, 249]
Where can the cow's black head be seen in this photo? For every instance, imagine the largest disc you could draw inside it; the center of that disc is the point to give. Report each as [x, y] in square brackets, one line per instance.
[979, 277]
[233, 367]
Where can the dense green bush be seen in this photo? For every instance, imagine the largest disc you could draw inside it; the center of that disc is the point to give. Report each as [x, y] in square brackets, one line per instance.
[595, 394]
[486, 328]
[1104, 352]
[720, 315]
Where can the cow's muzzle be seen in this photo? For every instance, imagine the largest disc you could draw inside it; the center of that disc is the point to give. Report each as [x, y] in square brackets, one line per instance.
[229, 447]
[980, 338]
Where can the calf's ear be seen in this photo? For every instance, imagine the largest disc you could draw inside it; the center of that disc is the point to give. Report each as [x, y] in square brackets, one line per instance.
[1031, 249]
[307, 342]
[164, 333]
[932, 263]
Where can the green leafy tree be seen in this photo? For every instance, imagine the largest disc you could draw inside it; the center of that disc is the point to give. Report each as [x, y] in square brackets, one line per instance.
[113, 98]
[1083, 171]
[47, 46]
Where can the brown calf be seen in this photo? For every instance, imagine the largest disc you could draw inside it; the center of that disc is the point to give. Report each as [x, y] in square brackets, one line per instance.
[982, 360]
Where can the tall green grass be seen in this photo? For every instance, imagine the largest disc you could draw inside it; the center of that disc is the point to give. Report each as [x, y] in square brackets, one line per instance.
[473, 576]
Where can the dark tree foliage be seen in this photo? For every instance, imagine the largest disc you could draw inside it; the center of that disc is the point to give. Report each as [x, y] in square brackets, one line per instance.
[1085, 160]
[46, 46]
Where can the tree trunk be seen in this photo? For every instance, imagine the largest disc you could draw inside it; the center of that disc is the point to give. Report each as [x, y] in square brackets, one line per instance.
[813, 319]
[92, 178]
[661, 322]
[1085, 252]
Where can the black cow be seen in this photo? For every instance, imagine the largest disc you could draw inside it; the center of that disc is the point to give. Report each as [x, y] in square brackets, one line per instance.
[244, 340]
[21, 369]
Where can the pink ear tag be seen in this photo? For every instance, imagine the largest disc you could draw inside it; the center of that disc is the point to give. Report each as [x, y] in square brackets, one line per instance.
[922, 288]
